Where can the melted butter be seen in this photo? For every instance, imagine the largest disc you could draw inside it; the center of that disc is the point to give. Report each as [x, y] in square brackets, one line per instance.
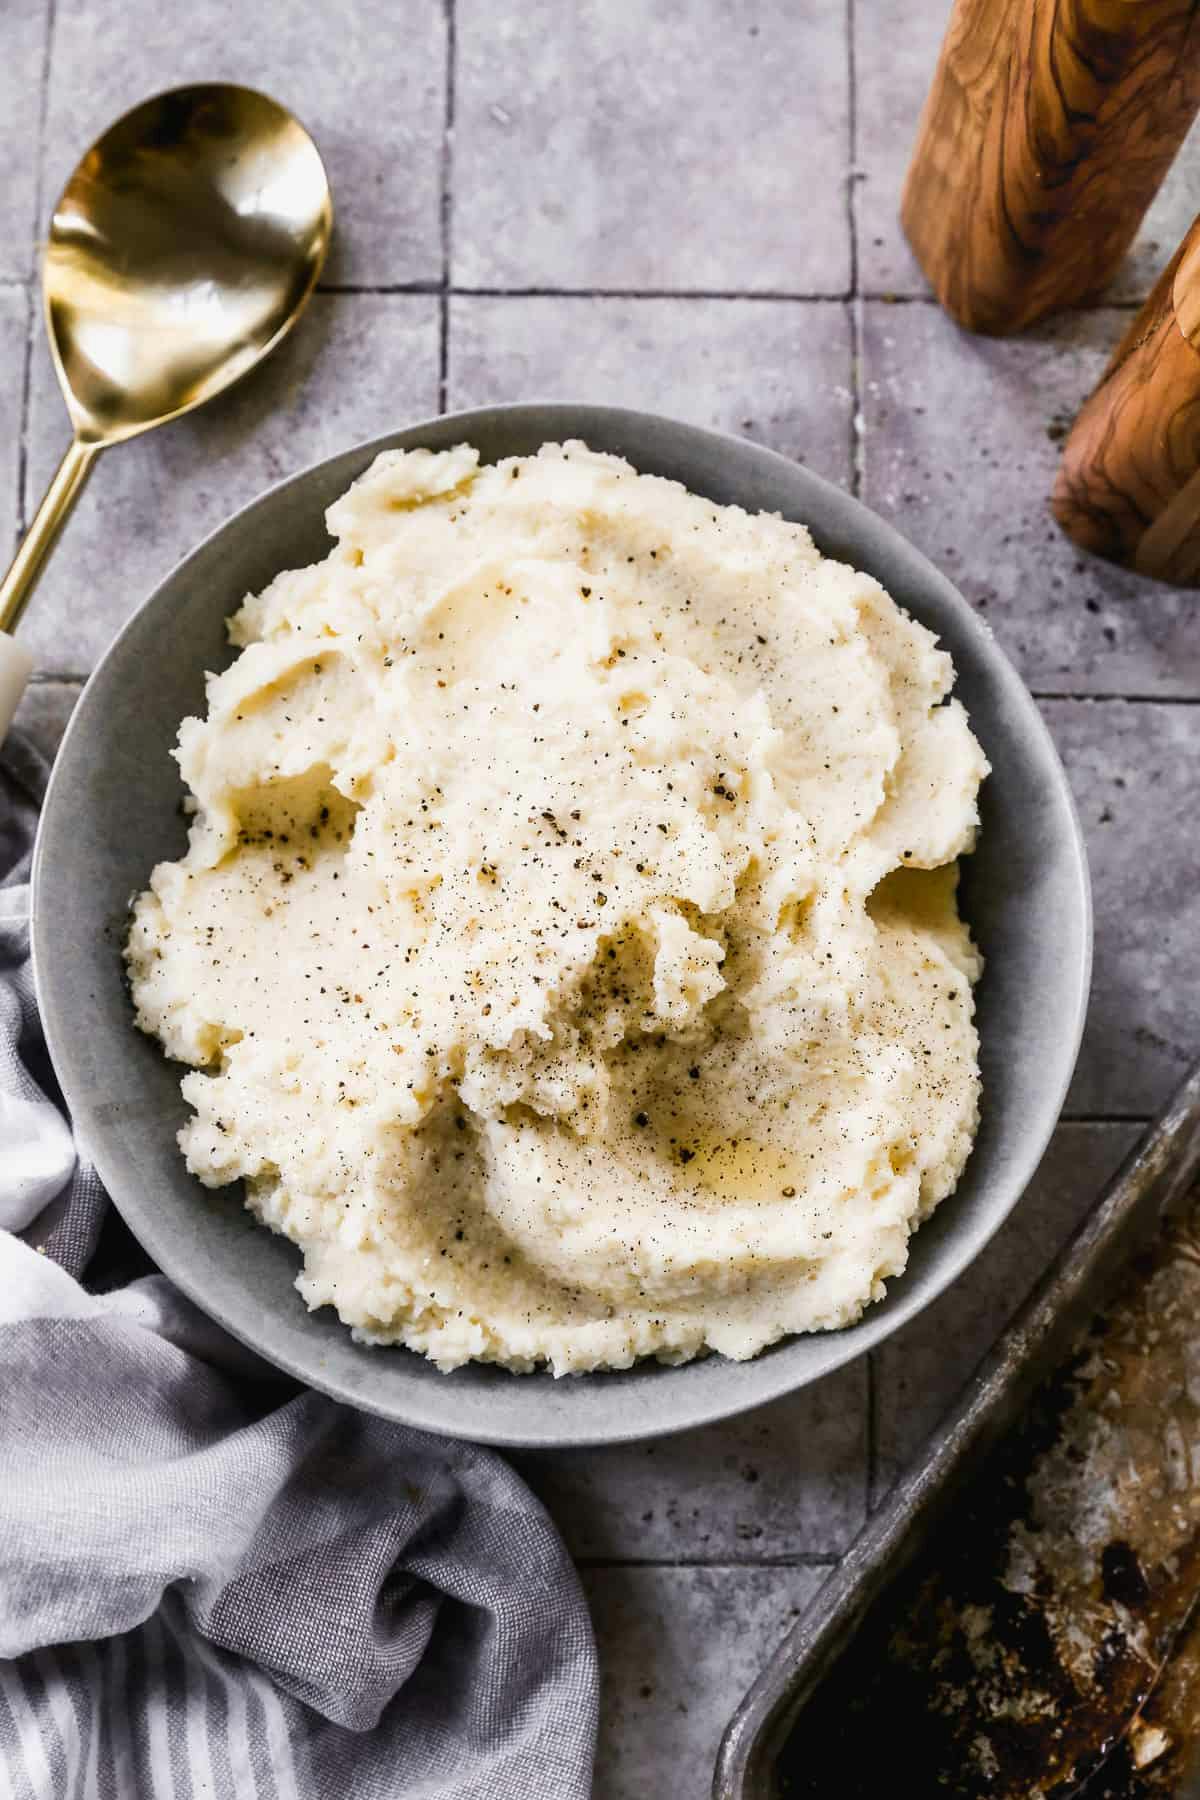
[735, 1168]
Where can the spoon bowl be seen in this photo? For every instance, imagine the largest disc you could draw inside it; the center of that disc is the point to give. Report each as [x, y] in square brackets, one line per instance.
[183, 248]
[181, 251]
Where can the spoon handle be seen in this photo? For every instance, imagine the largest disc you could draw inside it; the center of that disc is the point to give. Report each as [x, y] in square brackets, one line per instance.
[16, 664]
[48, 521]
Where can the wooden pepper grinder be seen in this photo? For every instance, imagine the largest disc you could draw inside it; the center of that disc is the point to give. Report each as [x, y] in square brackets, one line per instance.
[1045, 136]
[1128, 485]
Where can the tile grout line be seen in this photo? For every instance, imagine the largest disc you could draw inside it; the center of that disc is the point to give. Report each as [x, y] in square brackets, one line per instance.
[858, 423]
[43, 115]
[447, 201]
[851, 146]
[820, 1559]
[31, 310]
[1108, 699]
[889, 297]
[791, 296]
[857, 438]
[352, 289]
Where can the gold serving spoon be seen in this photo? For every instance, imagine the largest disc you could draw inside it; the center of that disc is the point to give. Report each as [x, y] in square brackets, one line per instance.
[184, 247]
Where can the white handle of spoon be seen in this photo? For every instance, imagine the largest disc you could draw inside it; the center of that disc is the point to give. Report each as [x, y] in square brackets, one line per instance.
[16, 664]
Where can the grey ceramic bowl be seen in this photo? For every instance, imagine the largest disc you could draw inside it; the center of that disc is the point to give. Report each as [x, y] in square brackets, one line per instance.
[113, 811]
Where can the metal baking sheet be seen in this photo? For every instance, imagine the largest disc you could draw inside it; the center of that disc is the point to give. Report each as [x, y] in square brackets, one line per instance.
[1061, 1365]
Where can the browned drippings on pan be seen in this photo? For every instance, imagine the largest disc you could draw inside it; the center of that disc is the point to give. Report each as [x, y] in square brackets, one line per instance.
[1044, 1642]
[1160, 1754]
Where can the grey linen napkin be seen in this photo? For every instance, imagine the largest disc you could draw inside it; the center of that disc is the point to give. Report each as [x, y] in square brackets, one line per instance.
[213, 1583]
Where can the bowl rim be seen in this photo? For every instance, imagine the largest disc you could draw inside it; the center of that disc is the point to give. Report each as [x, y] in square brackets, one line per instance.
[769, 1378]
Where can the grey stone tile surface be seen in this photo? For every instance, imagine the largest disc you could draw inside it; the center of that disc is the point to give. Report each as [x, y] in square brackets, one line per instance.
[24, 30]
[356, 365]
[895, 50]
[14, 308]
[700, 145]
[787, 1480]
[680, 171]
[768, 370]
[961, 446]
[678, 1648]
[1133, 772]
[369, 82]
[43, 713]
[920, 1370]
[896, 46]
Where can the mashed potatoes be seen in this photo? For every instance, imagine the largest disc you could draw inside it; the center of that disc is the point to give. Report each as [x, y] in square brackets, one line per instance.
[566, 949]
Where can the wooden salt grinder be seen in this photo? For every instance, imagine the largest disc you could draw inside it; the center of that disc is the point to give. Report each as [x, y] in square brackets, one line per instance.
[1128, 485]
[1045, 136]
